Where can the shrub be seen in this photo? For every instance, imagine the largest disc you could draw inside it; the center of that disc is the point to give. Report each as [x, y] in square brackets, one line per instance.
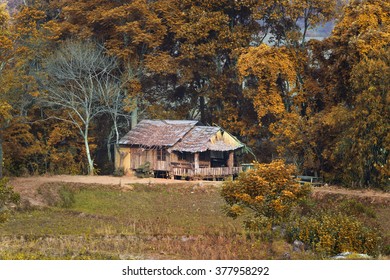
[119, 172]
[67, 197]
[386, 250]
[267, 194]
[7, 196]
[331, 234]
[144, 171]
[356, 208]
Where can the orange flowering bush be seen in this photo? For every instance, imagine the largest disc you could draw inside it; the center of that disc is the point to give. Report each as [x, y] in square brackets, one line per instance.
[331, 234]
[266, 194]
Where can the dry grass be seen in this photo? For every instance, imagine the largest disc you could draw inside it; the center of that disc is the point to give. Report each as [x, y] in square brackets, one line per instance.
[137, 222]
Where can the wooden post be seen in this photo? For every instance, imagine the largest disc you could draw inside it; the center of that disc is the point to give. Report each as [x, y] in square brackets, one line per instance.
[230, 162]
[196, 161]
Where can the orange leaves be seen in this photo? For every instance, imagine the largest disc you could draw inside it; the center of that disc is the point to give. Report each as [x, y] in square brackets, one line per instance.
[200, 23]
[349, 132]
[5, 113]
[161, 63]
[5, 40]
[266, 61]
[267, 66]
[4, 16]
[129, 30]
[267, 191]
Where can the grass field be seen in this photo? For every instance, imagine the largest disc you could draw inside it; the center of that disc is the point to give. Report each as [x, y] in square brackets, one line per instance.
[144, 222]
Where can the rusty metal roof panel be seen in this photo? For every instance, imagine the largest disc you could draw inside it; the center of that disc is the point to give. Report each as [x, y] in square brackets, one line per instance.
[157, 133]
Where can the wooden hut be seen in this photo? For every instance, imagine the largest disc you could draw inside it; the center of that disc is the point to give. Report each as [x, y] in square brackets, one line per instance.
[179, 148]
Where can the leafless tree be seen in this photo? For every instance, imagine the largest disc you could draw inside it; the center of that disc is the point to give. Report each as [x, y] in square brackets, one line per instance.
[82, 80]
[115, 99]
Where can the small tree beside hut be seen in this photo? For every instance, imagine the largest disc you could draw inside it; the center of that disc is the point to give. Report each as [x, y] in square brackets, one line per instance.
[265, 194]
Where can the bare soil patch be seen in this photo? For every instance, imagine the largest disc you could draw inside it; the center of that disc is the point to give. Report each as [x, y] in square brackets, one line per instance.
[28, 186]
[367, 195]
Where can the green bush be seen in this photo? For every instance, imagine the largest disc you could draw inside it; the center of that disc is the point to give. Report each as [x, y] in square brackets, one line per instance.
[144, 171]
[7, 196]
[67, 197]
[356, 208]
[331, 234]
[119, 172]
[386, 250]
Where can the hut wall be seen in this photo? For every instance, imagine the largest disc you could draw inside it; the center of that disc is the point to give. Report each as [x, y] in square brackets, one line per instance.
[225, 137]
[162, 165]
[140, 156]
[122, 159]
[136, 158]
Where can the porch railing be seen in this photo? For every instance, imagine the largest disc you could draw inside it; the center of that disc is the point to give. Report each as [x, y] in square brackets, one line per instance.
[161, 165]
[207, 172]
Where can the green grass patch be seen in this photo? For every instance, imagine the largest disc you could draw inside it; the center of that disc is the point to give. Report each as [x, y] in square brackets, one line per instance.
[140, 222]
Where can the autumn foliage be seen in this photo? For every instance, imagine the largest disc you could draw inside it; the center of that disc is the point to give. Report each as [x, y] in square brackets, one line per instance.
[331, 234]
[7, 196]
[266, 195]
[250, 67]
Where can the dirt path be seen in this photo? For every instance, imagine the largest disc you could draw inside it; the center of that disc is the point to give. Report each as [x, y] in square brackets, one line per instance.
[28, 186]
[37, 181]
[372, 196]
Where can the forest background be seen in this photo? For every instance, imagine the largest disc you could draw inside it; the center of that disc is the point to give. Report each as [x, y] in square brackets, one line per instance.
[77, 74]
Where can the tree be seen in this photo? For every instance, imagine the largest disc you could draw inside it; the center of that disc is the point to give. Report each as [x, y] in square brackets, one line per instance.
[351, 127]
[29, 38]
[6, 43]
[129, 30]
[287, 22]
[266, 194]
[6, 46]
[80, 75]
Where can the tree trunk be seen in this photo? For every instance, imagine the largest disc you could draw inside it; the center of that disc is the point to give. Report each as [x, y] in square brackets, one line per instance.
[134, 115]
[109, 154]
[87, 150]
[202, 107]
[1, 155]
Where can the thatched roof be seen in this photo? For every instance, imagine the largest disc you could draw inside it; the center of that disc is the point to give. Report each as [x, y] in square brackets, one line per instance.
[157, 133]
[197, 139]
[203, 138]
[181, 136]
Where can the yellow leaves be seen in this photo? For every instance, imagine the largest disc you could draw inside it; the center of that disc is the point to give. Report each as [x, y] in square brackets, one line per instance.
[5, 40]
[6, 45]
[363, 28]
[268, 190]
[244, 197]
[52, 30]
[259, 198]
[4, 15]
[288, 194]
[5, 112]
[28, 18]
[200, 23]
[267, 66]
[332, 234]
[266, 60]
